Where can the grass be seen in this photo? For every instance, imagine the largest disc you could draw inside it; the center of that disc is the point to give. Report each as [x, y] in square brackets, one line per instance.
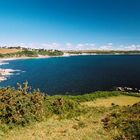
[13, 52]
[6, 51]
[88, 97]
[122, 100]
[79, 128]
[86, 125]
[123, 122]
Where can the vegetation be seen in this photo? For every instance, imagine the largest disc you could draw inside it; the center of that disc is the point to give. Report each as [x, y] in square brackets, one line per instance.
[121, 100]
[21, 54]
[103, 52]
[93, 96]
[6, 52]
[18, 107]
[9, 50]
[125, 121]
[27, 52]
[50, 52]
[32, 115]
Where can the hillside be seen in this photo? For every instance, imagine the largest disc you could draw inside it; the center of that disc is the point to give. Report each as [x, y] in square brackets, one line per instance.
[95, 116]
[112, 52]
[7, 51]
[86, 126]
[19, 52]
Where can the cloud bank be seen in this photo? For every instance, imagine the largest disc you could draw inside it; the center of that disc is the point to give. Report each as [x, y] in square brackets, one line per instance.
[79, 46]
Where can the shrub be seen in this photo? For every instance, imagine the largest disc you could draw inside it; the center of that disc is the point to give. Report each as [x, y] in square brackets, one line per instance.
[20, 107]
[126, 121]
[61, 106]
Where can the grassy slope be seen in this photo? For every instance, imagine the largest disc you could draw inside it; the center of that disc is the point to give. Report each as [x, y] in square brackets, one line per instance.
[102, 51]
[87, 126]
[5, 51]
[121, 100]
[9, 53]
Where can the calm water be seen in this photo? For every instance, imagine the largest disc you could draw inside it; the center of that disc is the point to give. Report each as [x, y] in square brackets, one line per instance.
[77, 74]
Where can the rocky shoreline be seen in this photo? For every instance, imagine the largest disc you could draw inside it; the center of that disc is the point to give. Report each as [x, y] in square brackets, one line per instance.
[4, 73]
[128, 89]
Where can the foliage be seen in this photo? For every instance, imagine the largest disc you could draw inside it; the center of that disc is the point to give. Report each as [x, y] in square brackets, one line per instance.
[94, 96]
[126, 121]
[50, 53]
[32, 53]
[20, 107]
[63, 107]
[1, 55]
[69, 106]
[104, 52]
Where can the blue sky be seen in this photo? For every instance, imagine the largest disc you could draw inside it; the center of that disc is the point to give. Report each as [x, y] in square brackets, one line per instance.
[71, 24]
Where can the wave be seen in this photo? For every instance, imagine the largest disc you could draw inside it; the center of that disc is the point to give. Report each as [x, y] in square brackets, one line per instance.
[6, 73]
[3, 63]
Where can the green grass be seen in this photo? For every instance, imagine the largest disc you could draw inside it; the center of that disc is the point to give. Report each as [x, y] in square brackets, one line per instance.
[86, 125]
[67, 117]
[33, 53]
[124, 122]
[121, 100]
[88, 97]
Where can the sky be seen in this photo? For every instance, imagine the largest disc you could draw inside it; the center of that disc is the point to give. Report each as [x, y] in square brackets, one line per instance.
[70, 24]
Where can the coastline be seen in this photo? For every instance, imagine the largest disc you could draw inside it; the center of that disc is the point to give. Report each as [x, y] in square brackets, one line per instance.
[43, 56]
[18, 58]
[4, 73]
[64, 55]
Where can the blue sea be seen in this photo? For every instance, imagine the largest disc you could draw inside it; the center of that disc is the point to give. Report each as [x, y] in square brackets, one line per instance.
[76, 74]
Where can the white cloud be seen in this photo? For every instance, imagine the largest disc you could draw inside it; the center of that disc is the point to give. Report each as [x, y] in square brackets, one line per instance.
[69, 46]
[80, 46]
[93, 45]
[86, 44]
[132, 47]
[129, 47]
[110, 44]
[105, 47]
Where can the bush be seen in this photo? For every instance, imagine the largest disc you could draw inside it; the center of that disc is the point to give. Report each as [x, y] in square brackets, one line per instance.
[20, 107]
[126, 121]
[61, 106]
